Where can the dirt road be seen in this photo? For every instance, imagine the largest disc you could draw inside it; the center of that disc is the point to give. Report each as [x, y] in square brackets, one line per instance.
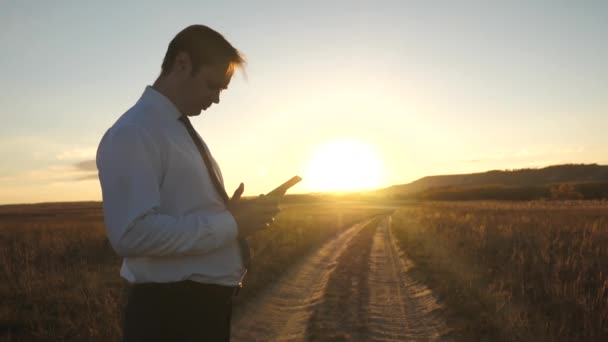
[354, 288]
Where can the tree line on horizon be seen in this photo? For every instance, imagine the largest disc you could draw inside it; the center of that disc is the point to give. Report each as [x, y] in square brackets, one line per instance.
[557, 191]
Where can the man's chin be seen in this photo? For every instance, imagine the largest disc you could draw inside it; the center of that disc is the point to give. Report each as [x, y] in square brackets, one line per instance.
[199, 112]
[196, 113]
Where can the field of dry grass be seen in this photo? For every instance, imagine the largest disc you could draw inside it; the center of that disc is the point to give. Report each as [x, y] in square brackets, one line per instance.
[528, 271]
[60, 277]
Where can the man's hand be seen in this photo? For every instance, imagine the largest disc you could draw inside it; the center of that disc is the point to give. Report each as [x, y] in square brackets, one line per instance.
[252, 215]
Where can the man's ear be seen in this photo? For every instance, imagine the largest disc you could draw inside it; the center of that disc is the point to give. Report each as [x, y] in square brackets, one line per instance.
[183, 64]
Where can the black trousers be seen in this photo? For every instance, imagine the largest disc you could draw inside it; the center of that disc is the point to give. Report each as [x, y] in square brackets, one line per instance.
[181, 311]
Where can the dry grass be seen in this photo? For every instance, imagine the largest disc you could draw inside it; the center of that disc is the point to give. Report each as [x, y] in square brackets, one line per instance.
[533, 271]
[60, 277]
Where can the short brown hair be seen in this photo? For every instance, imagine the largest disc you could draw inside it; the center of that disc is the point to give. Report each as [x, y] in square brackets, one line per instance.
[204, 46]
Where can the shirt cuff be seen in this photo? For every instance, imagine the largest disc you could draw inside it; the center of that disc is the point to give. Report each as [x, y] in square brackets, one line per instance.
[224, 227]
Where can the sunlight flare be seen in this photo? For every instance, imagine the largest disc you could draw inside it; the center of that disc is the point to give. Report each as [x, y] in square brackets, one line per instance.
[342, 165]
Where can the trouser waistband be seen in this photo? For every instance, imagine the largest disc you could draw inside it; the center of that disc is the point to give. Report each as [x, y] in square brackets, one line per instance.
[220, 290]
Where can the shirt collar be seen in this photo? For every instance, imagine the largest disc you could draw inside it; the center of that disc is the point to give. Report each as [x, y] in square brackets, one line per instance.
[161, 103]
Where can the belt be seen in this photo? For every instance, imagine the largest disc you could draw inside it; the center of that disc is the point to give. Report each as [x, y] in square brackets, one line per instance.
[220, 290]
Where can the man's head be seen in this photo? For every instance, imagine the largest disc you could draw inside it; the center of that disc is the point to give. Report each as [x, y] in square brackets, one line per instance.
[198, 65]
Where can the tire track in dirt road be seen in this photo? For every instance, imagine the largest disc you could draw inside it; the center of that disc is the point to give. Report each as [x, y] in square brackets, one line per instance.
[400, 309]
[282, 312]
[354, 288]
[341, 315]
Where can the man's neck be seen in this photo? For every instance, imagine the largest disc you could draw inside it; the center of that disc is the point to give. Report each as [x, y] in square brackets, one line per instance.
[166, 88]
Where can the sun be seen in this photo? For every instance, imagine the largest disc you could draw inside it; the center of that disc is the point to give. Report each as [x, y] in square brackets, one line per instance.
[344, 164]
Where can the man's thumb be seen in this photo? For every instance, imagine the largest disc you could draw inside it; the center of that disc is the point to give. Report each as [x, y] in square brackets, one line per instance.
[238, 193]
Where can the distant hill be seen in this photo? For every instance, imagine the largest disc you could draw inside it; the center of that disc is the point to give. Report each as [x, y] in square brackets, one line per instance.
[520, 178]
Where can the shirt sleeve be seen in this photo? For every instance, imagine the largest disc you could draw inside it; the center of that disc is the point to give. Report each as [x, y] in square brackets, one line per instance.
[130, 170]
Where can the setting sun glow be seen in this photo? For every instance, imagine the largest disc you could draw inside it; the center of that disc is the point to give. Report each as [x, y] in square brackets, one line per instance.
[344, 165]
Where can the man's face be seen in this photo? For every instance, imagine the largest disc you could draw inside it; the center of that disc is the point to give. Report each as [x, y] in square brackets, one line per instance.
[203, 88]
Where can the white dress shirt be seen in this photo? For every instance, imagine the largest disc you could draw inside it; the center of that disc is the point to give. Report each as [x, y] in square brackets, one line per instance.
[162, 213]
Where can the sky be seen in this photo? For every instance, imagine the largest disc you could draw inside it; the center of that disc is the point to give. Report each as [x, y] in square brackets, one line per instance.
[356, 94]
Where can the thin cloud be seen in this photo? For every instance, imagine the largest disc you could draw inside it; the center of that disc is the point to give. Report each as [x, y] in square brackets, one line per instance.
[87, 177]
[86, 165]
[51, 174]
[76, 153]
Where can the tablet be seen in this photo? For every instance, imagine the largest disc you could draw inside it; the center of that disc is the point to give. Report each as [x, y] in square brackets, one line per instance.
[282, 189]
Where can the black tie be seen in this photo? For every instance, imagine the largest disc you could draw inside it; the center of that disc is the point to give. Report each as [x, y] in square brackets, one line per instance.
[243, 244]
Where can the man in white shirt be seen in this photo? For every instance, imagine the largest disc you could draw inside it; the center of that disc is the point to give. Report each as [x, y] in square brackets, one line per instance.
[166, 211]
